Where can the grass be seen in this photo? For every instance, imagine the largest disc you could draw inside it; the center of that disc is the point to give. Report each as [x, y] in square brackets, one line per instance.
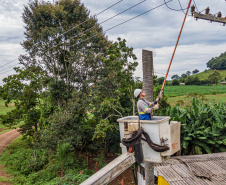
[205, 74]
[186, 100]
[4, 128]
[4, 179]
[173, 91]
[4, 109]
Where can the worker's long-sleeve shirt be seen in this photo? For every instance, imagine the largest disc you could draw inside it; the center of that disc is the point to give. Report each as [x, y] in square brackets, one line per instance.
[145, 109]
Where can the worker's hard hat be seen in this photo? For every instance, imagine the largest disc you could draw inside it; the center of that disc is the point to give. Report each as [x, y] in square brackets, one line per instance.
[137, 92]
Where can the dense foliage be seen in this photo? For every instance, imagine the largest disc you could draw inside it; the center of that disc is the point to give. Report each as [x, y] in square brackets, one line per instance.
[43, 166]
[214, 77]
[218, 63]
[73, 79]
[203, 127]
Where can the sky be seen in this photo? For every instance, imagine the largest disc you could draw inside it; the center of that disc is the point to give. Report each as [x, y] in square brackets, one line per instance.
[156, 30]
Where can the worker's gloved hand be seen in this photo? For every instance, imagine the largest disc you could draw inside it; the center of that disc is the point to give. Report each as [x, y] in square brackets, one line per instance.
[160, 96]
[156, 107]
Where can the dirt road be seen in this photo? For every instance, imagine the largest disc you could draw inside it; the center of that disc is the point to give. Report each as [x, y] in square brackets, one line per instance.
[7, 137]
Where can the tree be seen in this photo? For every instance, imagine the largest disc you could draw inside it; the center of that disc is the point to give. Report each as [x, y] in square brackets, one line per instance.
[214, 77]
[66, 49]
[175, 77]
[184, 76]
[160, 80]
[188, 73]
[58, 60]
[111, 97]
[195, 71]
[25, 88]
[190, 80]
[175, 82]
[218, 63]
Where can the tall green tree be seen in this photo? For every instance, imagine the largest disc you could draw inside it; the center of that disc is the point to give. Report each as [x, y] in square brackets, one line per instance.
[113, 92]
[60, 38]
[195, 71]
[25, 89]
[214, 77]
[218, 63]
[175, 77]
[188, 73]
[89, 120]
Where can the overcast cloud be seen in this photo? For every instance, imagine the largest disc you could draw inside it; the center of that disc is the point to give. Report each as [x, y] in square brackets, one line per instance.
[156, 30]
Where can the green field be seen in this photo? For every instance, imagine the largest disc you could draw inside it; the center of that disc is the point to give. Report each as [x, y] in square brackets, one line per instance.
[4, 109]
[173, 91]
[186, 100]
[205, 74]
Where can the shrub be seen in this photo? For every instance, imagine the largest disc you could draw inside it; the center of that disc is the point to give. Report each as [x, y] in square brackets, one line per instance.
[27, 160]
[175, 82]
[202, 127]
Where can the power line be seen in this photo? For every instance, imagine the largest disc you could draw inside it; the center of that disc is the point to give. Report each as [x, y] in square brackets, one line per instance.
[90, 18]
[6, 71]
[77, 25]
[101, 22]
[117, 24]
[123, 22]
[9, 67]
[173, 8]
[9, 62]
[182, 8]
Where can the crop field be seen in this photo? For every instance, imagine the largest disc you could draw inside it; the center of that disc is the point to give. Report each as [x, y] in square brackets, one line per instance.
[187, 100]
[173, 91]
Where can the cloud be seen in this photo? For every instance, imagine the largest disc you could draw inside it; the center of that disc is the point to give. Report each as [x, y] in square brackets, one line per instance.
[187, 58]
[156, 30]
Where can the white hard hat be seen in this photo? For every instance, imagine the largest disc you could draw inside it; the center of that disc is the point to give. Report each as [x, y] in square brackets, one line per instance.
[137, 92]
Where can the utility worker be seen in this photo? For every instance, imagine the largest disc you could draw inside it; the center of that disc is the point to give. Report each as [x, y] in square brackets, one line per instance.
[145, 108]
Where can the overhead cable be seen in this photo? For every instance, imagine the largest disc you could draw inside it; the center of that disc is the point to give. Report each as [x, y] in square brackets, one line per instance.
[9, 67]
[6, 71]
[123, 22]
[173, 8]
[90, 18]
[101, 22]
[182, 8]
[77, 25]
[8, 62]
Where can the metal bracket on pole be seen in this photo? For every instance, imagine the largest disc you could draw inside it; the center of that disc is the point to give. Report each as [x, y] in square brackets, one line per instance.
[209, 17]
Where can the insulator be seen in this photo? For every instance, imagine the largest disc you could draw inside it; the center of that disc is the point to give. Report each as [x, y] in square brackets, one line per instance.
[207, 10]
[219, 14]
[192, 10]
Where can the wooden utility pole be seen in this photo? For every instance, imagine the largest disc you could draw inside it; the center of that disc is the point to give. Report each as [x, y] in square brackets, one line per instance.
[208, 16]
[147, 63]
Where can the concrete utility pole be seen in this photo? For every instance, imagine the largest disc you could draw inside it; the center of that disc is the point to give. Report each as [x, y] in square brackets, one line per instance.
[147, 61]
[208, 16]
